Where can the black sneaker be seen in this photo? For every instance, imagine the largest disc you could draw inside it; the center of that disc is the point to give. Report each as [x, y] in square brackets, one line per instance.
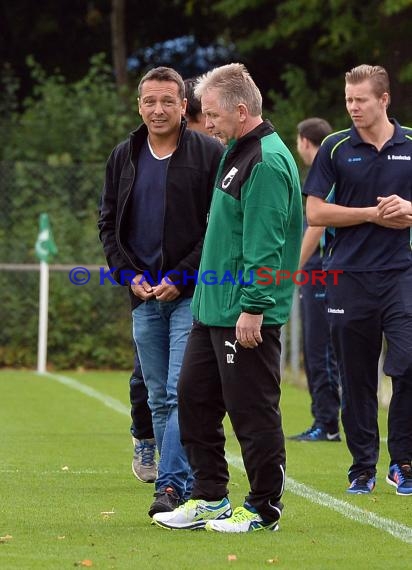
[166, 501]
[362, 485]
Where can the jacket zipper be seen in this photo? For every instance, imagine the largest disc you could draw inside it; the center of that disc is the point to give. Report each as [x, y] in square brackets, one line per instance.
[124, 252]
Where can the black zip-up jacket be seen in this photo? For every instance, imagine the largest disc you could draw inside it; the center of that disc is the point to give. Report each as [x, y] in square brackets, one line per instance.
[189, 187]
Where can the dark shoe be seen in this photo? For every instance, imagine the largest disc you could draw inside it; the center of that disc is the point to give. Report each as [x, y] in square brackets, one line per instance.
[299, 436]
[316, 434]
[166, 501]
[400, 476]
[363, 484]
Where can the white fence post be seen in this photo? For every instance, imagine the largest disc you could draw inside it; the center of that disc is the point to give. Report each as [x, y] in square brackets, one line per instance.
[43, 317]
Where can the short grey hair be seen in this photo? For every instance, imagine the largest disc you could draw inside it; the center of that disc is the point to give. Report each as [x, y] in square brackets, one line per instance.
[235, 86]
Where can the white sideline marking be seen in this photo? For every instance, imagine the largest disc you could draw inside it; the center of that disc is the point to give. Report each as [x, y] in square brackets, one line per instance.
[397, 530]
[89, 391]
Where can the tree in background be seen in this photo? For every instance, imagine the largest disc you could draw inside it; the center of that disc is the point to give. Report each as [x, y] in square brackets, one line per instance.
[299, 46]
[119, 49]
[72, 122]
[62, 36]
[299, 49]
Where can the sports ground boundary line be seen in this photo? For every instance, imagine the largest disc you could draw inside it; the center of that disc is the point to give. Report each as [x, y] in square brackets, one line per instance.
[362, 516]
[398, 530]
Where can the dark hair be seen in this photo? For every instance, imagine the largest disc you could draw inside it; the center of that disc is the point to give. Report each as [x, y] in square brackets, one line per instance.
[314, 129]
[163, 74]
[193, 107]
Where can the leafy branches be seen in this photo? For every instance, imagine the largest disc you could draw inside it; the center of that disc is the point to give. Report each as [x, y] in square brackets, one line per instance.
[79, 121]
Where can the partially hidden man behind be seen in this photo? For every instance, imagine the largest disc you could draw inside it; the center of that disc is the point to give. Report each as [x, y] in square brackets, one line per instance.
[319, 359]
[361, 183]
[232, 360]
[155, 202]
[194, 116]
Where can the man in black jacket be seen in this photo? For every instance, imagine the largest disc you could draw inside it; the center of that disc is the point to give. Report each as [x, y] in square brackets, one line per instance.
[155, 202]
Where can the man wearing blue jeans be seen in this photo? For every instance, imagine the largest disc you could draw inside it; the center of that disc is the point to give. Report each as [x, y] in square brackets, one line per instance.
[161, 330]
[154, 208]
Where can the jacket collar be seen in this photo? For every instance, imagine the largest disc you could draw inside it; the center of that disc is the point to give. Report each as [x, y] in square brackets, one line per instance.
[262, 130]
[398, 136]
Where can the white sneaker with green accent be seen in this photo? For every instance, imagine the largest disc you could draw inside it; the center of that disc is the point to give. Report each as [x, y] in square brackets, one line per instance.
[193, 514]
[242, 520]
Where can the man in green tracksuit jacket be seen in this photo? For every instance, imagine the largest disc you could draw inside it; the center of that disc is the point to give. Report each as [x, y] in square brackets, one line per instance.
[242, 297]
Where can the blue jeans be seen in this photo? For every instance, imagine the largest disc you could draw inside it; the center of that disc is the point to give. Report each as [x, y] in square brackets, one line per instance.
[160, 331]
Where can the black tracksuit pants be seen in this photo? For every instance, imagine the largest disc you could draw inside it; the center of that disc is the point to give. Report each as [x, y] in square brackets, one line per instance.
[220, 376]
[364, 306]
[319, 358]
[142, 427]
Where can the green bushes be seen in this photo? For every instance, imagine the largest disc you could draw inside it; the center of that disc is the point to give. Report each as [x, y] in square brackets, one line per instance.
[63, 123]
[54, 162]
[89, 325]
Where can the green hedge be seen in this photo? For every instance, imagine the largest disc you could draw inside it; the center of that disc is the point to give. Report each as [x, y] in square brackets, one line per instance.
[52, 160]
[89, 325]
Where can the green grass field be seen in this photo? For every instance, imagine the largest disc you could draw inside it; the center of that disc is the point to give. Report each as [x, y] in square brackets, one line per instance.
[68, 497]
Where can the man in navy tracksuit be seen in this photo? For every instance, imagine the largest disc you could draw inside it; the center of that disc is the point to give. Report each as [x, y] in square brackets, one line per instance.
[361, 183]
[321, 368]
